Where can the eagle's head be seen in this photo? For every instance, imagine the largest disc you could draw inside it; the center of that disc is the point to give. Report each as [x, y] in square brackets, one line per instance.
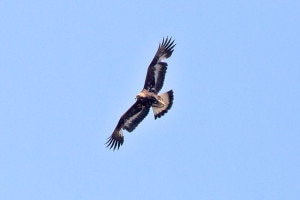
[140, 95]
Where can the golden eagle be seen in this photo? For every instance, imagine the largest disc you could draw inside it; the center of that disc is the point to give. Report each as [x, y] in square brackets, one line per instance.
[148, 97]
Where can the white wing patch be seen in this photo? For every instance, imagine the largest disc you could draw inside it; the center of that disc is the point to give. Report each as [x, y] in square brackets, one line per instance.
[157, 68]
[128, 123]
[133, 121]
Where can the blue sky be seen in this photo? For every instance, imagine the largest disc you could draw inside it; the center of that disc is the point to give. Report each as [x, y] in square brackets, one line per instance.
[70, 69]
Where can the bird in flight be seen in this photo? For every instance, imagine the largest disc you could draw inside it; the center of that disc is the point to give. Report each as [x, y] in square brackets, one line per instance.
[148, 97]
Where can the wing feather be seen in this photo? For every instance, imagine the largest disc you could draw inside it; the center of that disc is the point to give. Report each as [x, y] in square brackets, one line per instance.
[115, 140]
[157, 69]
[129, 121]
[132, 121]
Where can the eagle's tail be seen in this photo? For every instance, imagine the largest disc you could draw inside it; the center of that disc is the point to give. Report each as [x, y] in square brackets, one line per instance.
[165, 103]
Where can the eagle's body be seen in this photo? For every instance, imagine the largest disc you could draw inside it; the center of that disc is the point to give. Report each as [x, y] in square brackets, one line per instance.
[148, 97]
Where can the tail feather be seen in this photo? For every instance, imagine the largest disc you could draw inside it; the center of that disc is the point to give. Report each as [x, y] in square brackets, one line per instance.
[167, 99]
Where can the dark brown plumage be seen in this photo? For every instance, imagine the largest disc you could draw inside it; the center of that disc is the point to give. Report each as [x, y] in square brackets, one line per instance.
[148, 97]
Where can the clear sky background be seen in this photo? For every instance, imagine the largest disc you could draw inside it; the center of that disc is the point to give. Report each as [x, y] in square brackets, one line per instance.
[70, 69]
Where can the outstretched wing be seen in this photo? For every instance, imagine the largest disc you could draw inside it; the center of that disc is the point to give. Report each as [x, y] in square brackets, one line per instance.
[135, 115]
[157, 69]
[129, 121]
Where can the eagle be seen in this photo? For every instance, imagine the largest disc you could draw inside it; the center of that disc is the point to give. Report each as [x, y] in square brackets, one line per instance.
[148, 97]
